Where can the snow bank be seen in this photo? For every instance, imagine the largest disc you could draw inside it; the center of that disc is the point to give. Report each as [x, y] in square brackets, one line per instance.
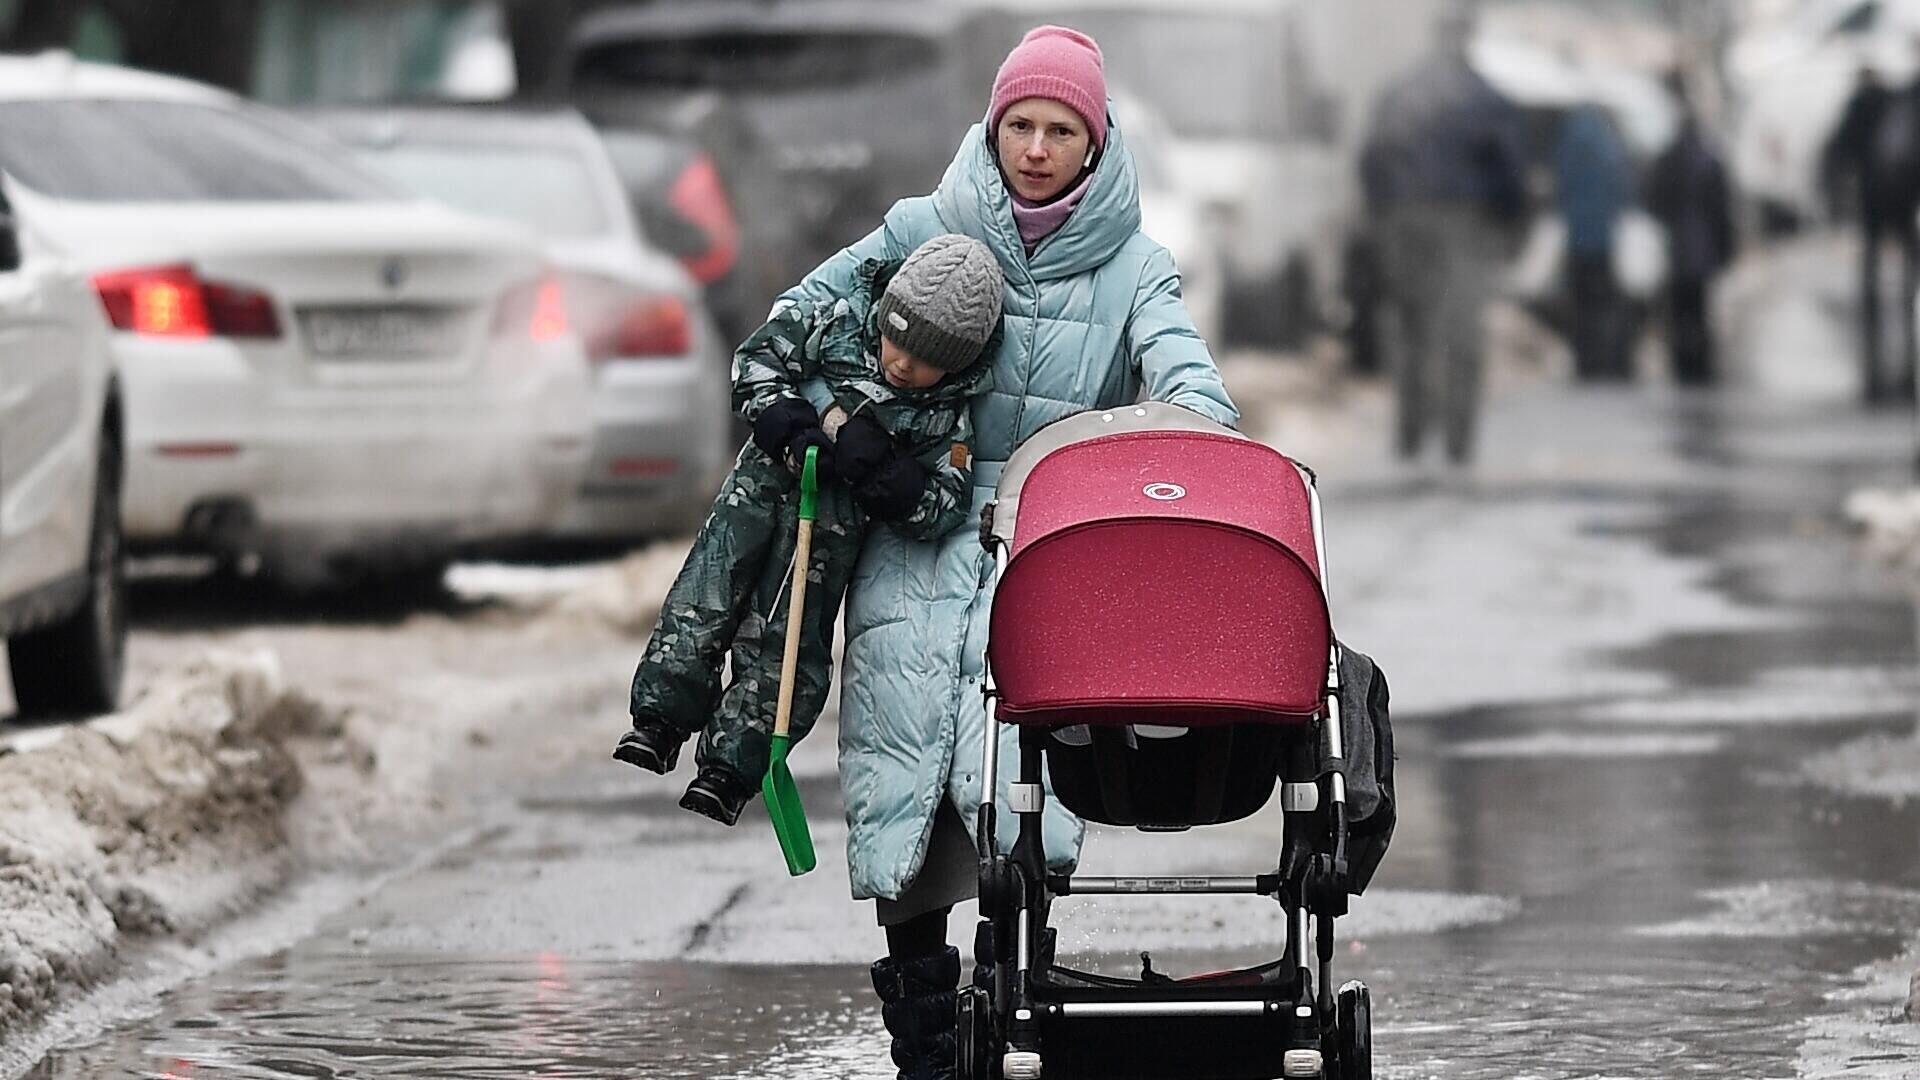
[160, 820]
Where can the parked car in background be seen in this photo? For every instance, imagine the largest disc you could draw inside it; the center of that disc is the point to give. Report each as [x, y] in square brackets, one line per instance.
[319, 369]
[1174, 214]
[684, 207]
[1790, 77]
[662, 438]
[818, 115]
[62, 586]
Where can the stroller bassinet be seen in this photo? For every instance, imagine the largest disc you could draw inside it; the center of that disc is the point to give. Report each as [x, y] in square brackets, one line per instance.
[1160, 640]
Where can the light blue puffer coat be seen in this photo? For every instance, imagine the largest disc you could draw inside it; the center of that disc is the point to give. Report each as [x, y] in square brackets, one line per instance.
[1093, 317]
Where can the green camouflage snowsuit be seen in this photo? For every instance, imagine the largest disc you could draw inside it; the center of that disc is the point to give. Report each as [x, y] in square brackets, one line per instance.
[732, 591]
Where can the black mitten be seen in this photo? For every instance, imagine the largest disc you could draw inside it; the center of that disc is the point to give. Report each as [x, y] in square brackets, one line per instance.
[823, 471]
[892, 491]
[779, 422]
[861, 448]
[786, 428]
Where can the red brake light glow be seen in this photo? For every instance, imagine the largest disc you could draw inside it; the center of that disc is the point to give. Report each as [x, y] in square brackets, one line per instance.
[549, 313]
[659, 326]
[699, 197]
[173, 302]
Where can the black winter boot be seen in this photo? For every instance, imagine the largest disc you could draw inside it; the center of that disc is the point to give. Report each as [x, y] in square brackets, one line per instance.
[917, 1003]
[651, 745]
[718, 794]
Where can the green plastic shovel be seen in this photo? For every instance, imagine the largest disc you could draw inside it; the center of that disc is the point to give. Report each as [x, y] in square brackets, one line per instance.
[781, 793]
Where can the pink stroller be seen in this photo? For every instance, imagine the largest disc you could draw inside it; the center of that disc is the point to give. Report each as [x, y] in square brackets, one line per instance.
[1160, 640]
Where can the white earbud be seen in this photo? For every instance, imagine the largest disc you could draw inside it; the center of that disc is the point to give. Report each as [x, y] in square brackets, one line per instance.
[1088, 164]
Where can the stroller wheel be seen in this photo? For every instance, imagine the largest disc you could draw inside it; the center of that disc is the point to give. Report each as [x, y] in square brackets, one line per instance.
[1354, 1032]
[975, 1052]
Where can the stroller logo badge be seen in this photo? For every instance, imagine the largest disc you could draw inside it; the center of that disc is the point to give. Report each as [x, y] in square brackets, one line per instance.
[1164, 492]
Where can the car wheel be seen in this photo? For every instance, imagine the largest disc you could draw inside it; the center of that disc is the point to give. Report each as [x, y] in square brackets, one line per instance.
[74, 666]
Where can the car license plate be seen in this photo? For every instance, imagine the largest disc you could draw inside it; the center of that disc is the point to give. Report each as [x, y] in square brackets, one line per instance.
[351, 333]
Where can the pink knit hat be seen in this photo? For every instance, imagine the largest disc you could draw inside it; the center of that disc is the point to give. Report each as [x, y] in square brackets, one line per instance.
[1060, 64]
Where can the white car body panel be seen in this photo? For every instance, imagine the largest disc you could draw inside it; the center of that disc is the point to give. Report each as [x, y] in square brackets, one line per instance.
[655, 408]
[54, 374]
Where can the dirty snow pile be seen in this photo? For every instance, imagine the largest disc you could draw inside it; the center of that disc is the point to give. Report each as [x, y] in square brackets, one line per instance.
[1890, 522]
[160, 820]
[623, 596]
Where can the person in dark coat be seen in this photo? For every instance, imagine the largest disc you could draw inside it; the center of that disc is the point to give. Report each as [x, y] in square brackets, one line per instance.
[1876, 146]
[1688, 191]
[1593, 184]
[1445, 177]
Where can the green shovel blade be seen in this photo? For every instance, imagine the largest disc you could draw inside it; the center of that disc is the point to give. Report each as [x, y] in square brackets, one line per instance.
[783, 806]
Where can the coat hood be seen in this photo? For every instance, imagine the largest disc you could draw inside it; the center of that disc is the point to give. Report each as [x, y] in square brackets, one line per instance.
[973, 199]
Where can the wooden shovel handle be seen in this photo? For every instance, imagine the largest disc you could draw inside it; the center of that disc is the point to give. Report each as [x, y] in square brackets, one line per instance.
[802, 556]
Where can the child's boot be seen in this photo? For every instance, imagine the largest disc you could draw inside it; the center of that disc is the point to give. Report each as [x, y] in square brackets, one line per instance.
[718, 793]
[651, 745]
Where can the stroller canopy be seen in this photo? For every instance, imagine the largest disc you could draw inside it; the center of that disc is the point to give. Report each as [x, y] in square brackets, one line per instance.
[1162, 570]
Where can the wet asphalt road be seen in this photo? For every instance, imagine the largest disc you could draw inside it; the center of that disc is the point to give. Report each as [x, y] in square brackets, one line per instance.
[1613, 648]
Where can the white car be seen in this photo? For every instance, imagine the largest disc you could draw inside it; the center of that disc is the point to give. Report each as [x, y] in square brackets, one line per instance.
[663, 435]
[62, 588]
[1175, 216]
[1790, 79]
[319, 370]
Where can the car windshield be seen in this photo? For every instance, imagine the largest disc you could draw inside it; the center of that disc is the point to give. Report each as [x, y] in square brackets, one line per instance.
[547, 188]
[750, 60]
[167, 151]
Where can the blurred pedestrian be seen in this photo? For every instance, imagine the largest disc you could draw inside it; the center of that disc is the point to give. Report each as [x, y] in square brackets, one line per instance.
[1593, 186]
[1445, 166]
[1094, 319]
[899, 353]
[1688, 192]
[1877, 143]
[1362, 286]
[1363, 282]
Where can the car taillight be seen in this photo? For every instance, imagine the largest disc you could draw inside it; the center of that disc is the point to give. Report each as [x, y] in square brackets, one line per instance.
[700, 198]
[173, 301]
[535, 310]
[549, 321]
[657, 326]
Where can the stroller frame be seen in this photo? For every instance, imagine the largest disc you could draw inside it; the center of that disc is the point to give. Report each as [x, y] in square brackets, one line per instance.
[1280, 1018]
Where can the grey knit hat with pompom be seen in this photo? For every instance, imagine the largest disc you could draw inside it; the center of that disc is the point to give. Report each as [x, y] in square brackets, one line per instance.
[943, 304]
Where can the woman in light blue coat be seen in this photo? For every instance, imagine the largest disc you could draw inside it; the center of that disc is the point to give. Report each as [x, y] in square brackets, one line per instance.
[1093, 319]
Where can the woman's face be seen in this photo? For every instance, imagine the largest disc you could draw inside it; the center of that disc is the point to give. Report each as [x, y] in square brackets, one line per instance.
[1043, 146]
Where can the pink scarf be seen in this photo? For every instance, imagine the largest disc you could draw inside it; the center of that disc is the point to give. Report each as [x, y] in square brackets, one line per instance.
[1037, 221]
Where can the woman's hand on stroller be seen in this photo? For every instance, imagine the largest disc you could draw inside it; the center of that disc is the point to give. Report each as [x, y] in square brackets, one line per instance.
[886, 481]
[785, 429]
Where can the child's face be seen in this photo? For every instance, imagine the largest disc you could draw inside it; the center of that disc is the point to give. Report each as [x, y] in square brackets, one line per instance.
[904, 370]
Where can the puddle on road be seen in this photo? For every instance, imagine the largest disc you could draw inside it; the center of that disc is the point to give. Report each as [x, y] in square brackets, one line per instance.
[1463, 1010]
[331, 1016]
